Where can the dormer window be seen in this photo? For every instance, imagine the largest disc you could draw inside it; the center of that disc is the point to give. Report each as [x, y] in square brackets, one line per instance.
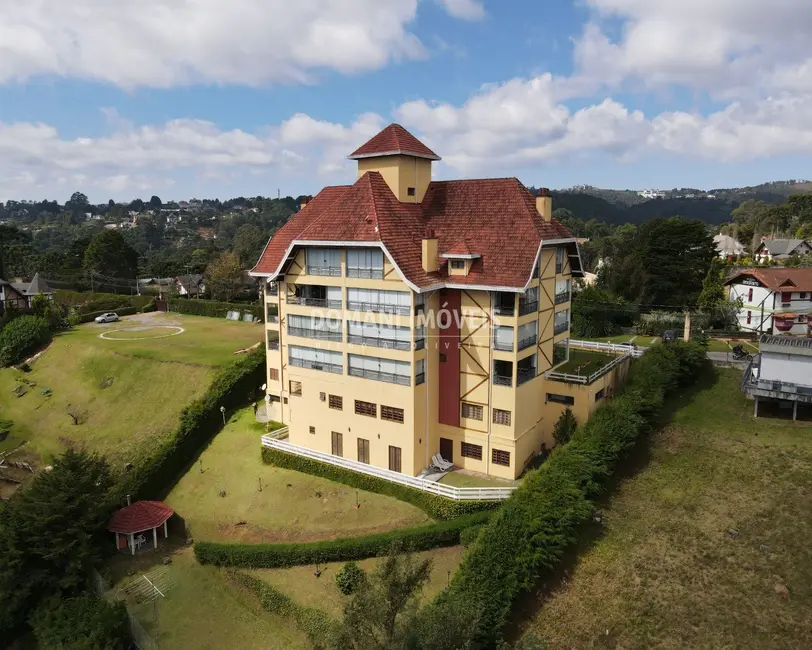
[410, 191]
[458, 265]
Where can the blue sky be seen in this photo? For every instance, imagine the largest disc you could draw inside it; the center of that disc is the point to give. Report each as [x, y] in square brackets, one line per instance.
[205, 98]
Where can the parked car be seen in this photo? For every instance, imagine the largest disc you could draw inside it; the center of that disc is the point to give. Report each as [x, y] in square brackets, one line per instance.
[109, 317]
[669, 336]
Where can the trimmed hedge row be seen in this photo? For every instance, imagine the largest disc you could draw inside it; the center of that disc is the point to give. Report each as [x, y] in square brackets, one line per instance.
[232, 387]
[124, 311]
[21, 337]
[435, 506]
[273, 556]
[86, 302]
[527, 537]
[198, 307]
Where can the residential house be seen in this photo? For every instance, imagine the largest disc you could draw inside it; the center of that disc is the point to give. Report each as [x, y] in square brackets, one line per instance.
[36, 287]
[774, 300]
[190, 285]
[781, 249]
[729, 248]
[408, 317]
[781, 373]
[12, 297]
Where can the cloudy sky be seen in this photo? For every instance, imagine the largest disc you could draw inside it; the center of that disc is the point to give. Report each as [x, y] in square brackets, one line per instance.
[208, 98]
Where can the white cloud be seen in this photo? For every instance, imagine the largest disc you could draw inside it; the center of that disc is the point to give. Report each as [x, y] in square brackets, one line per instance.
[164, 43]
[465, 9]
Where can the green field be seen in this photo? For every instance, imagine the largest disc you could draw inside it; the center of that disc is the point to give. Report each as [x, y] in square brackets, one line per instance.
[292, 506]
[460, 479]
[707, 547]
[126, 392]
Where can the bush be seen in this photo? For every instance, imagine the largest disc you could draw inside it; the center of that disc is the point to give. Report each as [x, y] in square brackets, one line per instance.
[86, 302]
[527, 537]
[199, 422]
[349, 578]
[468, 535]
[21, 337]
[273, 556]
[564, 427]
[90, 316]
[81, 623]
[197, 307]
[435, 506]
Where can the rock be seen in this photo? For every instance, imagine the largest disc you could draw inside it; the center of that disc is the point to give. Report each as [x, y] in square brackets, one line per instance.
[733, 533]
[781, 590]
[765, 548]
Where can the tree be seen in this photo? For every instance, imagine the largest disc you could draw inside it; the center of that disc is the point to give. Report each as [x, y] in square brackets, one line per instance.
[714, 301]
[597, 312]
[81, 623]
[248, 244]
[565, 427]
[224, 276]
[381, 613]
[155, 203]
[108, 254]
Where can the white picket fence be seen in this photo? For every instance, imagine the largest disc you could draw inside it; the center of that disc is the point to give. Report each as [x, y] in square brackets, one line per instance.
[606, 347]
[273, 441]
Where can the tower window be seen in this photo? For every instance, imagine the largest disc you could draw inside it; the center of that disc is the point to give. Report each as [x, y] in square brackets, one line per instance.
[410, 191]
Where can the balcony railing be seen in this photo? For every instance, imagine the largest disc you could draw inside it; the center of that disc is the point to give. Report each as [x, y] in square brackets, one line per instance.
[524, 375]
[503, 310]
[273, 345]
[561, 327]
[528, 307]
[332, 271]
[420, 378]
[499, 380]
[314, 302]
[372, 274]
[504, 346]
[562, 297]
[310, 333]
[317, 365]
[273, 318]
[526, 342]
[354, 305]
[419, 344]
[377, 375]
[377, 342]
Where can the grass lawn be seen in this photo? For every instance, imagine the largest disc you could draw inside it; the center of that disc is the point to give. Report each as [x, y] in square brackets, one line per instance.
[301, 584]
[707, 547]
[292, 506]
[726, 345]
[460, 479]
[584, 362]
[203, 609]
[130, 391]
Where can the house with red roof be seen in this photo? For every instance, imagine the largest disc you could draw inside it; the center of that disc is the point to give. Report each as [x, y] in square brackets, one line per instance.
[412, 320]
[776, 300]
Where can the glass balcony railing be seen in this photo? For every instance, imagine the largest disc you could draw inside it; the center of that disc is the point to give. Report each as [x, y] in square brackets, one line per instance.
[377, 375]
[314, 302]
[317, 365]
[504, 346]
[331, 271]
[377, 342]
[372, 274]
[273, 345]
[354, 305]
[310, 333]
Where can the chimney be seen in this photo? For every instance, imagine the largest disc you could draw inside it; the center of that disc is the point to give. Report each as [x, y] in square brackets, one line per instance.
[305, 200]
[431, 257]
[544, 204]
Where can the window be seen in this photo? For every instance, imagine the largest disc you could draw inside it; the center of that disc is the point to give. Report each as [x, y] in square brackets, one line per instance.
[561, 399]
[323, 397]
[336, 402]
[419, 372]
[528, 334]
[458, 265]
[499, 457]
[391, 414]
[365, 263]
[314, 327]
[273, 399]
[274, 374]
[502, 372]
[379, 336]
[324, 261]
[561, 352]
[313, 430]
[749, 317]
[419, 302]
[394, 458]
[600, 394]
[379, 300]
[316, 359]
[535, 270]
[377, 369]
[750, 294]
[525, 369]
[562, 321]
[410, 191]
[501, 417]
[562, 291]
[786, 297]
[419, 337]
[471, 411]
[366, 408]
[272, 313]
[802, 295]
[337, 443]
[504, 303]
[363, 451]
[503, 339]
[560, 252]
[468, 450]
[295, 387]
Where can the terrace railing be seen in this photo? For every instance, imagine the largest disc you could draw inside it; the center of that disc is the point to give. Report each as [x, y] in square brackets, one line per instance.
[354, 305]
[586, 379]
[314, 302]
[332, 271]
[526, 342]
[322, 335]
[606, 347]
[448, 491]
[559, 328]
[500, 380]
[528, 307]
[316, 365]
[524, 375]
[562, 297]
[377, 342]
[377, 375]
[365, 273]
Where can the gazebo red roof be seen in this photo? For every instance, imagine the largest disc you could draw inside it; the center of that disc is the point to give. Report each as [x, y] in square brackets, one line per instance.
[140, 516]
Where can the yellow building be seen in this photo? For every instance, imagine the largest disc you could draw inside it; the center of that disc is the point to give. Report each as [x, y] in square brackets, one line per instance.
[409, 317]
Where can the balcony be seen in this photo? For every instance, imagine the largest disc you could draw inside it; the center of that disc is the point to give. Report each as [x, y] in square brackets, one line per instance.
[370, 274]
[562, 297]
[527, 342]
[528, 307]
[314, 302]
[504, 304]
[560, 328]
[353, 305]
[503, 346]
[500, 380]
[316, 365]
[377, 375]
[376, 342]
[273, 345]
[524, 375]
[322, 335]
[331, 271]
[420, 378]
[272, 289]
[272, 318]
[502, 373]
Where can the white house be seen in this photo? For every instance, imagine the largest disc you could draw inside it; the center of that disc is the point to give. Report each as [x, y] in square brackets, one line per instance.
[728, 247]
[781, 373]
[781, 249]
[775, 300]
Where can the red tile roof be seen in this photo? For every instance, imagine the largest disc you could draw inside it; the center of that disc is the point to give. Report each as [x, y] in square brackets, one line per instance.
[779, 279]
[394, 139]
[461, 248]
[140, 516]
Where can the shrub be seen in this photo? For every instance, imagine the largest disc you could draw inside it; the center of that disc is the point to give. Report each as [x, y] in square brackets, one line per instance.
[81, 623]
[435, 506]
[213, 308]
[527, 537]
[22, 336]
[272, 556]
[468, 535]
[349, 578]
[565, 427]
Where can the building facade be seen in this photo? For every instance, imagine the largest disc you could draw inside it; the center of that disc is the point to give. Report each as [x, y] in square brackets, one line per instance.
[776, 250]
[408, 317]
[781, 374]
[774, 300]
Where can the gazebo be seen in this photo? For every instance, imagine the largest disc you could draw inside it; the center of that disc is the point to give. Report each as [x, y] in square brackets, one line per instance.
[136, 519]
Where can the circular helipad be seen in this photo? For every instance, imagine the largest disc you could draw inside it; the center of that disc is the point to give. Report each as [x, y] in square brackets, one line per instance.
[142, 333]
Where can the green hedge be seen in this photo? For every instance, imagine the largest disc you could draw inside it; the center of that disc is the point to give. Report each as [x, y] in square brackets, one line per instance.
[526, 538]
[198, 307]
[124, 311]
[233, 386]
[272, 556]
[435, 506]
[21, 337]
[86, 302]
[313, 622]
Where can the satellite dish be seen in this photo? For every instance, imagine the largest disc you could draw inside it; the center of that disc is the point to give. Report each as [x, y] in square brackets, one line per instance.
[263, 387]
[267, 399]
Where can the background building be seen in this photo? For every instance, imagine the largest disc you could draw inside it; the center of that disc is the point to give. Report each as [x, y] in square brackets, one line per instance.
[774, 301]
